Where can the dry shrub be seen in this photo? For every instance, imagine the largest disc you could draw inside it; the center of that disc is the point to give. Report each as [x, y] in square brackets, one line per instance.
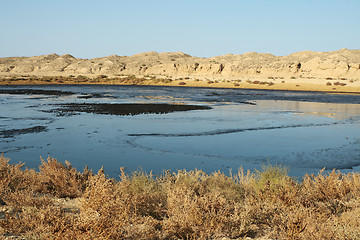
[17, 187]
[44, 222]
[332, 186]
[145, 195]
[101, 215]
[273, 203]
[270, 175]
[102, 76]
[62, 180]
[11, 175]
[107, 212]
[201, 206]
[337, 226]
[228, 187]
[27, 212]
[265, 204]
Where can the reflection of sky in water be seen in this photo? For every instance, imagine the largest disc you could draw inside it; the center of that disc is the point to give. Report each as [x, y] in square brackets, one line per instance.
[306, 136]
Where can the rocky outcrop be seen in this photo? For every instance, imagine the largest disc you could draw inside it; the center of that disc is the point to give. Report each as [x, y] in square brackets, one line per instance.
[343, 63]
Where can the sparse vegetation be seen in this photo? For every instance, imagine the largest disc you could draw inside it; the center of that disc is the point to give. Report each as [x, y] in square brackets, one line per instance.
[101, 76]
[339, 84]
[58, 202]
[167, 80]
[260, 82]
[123, 79]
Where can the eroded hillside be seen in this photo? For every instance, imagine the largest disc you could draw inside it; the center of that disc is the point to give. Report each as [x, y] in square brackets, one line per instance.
[343, 63]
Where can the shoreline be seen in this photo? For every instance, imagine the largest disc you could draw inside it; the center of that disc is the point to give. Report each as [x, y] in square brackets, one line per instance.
[337, 86]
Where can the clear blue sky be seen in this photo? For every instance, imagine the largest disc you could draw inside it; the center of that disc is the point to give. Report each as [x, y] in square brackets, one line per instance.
[203, 28]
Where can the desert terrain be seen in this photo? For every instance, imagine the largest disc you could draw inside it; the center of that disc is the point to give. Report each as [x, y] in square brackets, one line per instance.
[335, 71]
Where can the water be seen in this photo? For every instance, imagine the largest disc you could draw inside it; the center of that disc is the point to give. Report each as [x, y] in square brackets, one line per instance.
[245, 128]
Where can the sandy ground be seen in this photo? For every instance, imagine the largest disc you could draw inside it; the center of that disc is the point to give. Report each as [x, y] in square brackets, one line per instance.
[297, 84]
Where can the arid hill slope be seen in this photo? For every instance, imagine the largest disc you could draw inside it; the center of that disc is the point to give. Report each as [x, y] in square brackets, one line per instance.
[343, 63]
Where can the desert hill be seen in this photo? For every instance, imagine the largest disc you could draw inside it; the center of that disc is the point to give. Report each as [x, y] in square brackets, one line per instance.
[306, 67]
[343, 63]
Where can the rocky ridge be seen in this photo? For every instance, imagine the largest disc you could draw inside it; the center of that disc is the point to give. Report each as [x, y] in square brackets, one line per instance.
[341, 64]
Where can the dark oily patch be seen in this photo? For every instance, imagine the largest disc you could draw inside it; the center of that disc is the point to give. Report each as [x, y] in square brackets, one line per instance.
[13, 132]
[91, 95]
[124, 108]
[36, 92]
[246, 102]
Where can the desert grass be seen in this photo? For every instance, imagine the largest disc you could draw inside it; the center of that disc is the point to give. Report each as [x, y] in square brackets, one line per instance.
[59, 202]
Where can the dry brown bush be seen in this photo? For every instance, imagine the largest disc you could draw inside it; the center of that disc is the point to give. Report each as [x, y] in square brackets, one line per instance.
[184, 205]
[62, 180]
[202, 206]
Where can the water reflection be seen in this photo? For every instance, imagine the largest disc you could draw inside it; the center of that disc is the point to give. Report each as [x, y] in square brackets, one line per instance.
[304, 135]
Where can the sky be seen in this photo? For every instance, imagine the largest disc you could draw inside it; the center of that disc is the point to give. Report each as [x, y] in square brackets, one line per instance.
[202, 28]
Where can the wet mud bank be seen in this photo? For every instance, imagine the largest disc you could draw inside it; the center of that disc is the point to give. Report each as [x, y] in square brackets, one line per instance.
[14, 132]
[36, 92]
[123, 109]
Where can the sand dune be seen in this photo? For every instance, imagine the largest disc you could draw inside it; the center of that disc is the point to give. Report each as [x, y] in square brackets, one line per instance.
[306, 70]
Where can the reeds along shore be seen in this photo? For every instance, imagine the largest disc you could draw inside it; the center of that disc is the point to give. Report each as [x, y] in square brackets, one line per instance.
[59, 202]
